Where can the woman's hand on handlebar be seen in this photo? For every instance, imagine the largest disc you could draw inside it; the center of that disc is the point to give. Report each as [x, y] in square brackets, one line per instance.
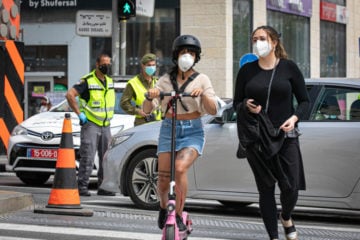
[196, 92]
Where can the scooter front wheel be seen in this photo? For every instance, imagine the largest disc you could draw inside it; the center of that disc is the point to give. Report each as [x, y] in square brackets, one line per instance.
[169, 232]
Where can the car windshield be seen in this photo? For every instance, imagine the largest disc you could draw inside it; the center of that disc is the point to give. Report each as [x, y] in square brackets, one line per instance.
[62, 107]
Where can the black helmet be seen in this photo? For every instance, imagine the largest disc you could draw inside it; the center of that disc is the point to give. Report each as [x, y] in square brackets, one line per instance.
[186, 41]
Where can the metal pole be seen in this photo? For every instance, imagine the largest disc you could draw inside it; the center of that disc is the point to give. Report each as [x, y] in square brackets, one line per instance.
[115, 45]
[123, 47]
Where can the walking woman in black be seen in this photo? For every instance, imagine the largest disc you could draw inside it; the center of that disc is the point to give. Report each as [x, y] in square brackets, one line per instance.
[267, 127]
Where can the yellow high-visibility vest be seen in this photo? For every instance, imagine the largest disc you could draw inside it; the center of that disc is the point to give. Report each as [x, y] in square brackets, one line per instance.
[99, 109]
[140, 91]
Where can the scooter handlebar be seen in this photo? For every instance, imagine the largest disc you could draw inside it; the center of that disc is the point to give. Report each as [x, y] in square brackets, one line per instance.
[172, 93]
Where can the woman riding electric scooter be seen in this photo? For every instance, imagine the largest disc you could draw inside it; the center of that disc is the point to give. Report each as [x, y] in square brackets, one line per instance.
[190, 137]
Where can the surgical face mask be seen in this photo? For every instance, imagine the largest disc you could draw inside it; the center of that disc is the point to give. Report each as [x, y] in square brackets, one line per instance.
[262, 48]
[104, 69]
[185, 62]
[150, 70]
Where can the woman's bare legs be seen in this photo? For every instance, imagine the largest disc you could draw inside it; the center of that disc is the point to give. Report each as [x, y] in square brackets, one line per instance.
[184, 160]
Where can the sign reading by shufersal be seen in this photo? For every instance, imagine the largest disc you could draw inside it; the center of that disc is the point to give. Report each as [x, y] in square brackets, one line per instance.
[36, 4]
[94, 23]
[145, 8]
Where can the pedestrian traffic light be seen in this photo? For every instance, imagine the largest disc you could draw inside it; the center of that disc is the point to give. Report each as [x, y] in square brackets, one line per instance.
[126, 9]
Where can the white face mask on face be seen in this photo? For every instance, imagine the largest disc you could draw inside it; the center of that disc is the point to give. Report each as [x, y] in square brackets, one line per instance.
[185, 62]
[262, 48]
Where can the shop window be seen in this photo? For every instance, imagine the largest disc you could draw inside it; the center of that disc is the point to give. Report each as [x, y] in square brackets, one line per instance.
[45, 58]
[295, 36]
[242, 28]
[333, 49]
[333, 15]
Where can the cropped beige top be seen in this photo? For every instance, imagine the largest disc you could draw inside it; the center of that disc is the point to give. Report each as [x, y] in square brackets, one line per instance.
[193, 104]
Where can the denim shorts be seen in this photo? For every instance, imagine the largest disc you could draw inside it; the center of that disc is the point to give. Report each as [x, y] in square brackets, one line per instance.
[189, 133]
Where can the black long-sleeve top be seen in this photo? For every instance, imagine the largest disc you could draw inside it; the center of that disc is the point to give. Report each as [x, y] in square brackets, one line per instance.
[253, 81]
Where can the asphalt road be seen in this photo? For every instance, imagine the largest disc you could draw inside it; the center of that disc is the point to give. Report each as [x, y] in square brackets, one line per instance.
[117, 218]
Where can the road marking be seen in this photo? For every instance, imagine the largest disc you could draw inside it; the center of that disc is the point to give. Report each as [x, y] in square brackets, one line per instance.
[17, 238]
[85, 232]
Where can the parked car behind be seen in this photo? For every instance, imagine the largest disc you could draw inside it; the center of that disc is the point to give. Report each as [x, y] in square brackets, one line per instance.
[33, 144]
[330, 147]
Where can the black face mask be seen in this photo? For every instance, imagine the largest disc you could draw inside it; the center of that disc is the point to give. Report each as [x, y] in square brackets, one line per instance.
[105, 69]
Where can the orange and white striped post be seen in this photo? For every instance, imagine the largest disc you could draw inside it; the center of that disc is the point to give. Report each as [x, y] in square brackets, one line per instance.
[11, 70]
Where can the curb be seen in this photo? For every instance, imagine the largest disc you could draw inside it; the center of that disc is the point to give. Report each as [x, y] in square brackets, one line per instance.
[13, 201]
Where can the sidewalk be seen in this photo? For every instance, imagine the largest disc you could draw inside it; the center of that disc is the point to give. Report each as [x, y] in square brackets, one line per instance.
[12, 201]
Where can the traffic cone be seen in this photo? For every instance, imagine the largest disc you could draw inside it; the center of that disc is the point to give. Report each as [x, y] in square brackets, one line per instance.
[64, 195]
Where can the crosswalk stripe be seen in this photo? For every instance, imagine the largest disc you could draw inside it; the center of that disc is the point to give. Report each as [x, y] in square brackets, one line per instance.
[86, 232]
[17, 238]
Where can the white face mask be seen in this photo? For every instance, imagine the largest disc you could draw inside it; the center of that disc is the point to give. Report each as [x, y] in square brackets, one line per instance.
[185, 62]
[262, 48]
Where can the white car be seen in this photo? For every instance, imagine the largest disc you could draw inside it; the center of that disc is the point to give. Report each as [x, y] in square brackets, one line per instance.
[32, 148]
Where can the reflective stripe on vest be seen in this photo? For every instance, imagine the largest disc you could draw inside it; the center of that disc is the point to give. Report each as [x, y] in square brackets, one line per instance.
[140, 91]
[99, 109]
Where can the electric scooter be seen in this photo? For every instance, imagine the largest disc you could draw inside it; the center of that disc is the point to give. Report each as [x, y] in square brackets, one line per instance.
[171, 230]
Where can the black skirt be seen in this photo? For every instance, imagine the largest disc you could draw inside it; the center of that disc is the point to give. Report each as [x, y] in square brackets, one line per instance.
[286, 168]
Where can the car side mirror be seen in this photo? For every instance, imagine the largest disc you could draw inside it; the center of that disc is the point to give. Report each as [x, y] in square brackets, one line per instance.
[225, 112]
[221, 107]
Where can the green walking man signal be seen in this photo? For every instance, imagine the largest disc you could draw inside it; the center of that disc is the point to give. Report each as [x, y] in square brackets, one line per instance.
[126, 9]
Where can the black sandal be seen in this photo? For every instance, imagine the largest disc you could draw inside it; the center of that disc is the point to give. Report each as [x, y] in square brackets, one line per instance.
[290, 232]
[163, 214]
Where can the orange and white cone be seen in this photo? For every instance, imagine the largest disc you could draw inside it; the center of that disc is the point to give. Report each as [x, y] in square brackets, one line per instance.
[64, 197]
[65, 193]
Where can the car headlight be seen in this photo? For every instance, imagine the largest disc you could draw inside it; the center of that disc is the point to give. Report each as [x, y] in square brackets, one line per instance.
[19, 130]
[119, 138]
[117, 129]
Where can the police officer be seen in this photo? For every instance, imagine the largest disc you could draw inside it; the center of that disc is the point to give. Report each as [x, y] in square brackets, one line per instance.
[133, 96]
[96, 109]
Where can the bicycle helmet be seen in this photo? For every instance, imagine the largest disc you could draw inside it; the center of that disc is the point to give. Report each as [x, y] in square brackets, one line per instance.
[186, 41]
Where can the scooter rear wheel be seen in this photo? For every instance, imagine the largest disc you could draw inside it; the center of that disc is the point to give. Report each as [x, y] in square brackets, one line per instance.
[170, 232]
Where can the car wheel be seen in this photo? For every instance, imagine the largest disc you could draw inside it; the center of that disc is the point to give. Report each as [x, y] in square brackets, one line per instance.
[141, 180]
[31, 178]
[232, 204]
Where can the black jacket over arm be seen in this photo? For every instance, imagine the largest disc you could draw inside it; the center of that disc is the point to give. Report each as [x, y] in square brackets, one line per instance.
[262, 143]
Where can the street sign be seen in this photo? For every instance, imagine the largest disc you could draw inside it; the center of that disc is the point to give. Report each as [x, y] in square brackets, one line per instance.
[145, 8]
[94, 23]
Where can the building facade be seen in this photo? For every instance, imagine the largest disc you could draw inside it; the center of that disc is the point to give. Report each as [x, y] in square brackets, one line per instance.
[321, 36]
